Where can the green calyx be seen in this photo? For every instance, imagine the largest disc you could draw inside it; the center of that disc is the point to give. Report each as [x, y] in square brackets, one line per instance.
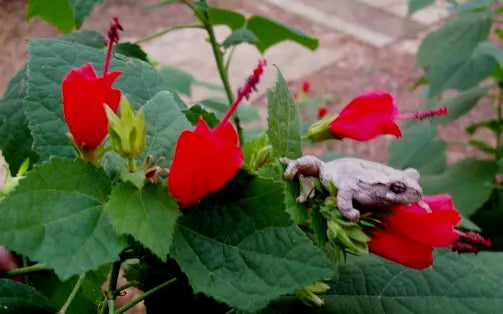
[309, 296]
[260, 157]
[7, 181]
[319, 131]
[127, 131]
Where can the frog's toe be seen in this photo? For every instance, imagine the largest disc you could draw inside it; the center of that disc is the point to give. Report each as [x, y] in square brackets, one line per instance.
[353, 215]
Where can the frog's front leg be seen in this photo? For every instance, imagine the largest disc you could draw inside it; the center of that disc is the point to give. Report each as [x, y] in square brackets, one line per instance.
[308, 166]
[345, 205]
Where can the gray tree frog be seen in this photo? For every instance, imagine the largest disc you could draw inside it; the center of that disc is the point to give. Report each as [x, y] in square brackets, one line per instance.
[369, 183]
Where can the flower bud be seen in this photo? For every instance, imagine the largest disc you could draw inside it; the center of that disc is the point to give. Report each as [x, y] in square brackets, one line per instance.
[127, 131]
[308, 294]
[319, 131]
[260, 157]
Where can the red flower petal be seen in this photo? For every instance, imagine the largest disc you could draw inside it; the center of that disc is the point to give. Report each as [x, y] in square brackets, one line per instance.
[400, 249]
[433, 229]
[205, 160]
[366, 117]
[84, 97]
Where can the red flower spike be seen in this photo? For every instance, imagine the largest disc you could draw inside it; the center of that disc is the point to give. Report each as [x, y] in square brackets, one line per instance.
[206, 159]
[84, 97]
[410, 232]
[85, 94]
[372, 114]
[322, 112]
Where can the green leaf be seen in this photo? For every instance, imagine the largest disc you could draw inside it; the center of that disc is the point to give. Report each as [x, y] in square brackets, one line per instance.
[463, 74]
[217, 104]
[241, 248]
[248, 113]
[131, 50]
[55, 216]
[50, 60]
[179, 80]
[319, 225]
[88, 297]
[488, 48]
[15, 137]
[165, 121]
[471, 6]
[283, 120]
[469, 189]
[270, 32]
[56, 12]
[461, 104]
[455, 41]
[149, 215]
[239, 36]
[456, 284]
[89, 38]
[416, 5]
[82, 8]
[482, 146]
[195, 112]
[16, 297]
[492, 125]
[419, 148]
[233, 20]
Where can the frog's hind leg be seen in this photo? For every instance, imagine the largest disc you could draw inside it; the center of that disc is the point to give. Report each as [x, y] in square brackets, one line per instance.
[308, 166]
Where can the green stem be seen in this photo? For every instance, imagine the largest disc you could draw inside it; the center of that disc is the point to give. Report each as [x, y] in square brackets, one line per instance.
[165, 31]
[72, 295]
[124, 287]
[26, 270]
[142, 297]
[112, 286]
[229, 58]
[130, 163]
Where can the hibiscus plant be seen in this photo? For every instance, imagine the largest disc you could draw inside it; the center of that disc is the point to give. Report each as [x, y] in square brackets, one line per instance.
[110, 181]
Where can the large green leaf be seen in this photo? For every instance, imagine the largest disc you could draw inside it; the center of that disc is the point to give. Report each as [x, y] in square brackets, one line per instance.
[165, 121]
[469, 182]
[20, 298]
[456, 284]
[55, 216]
[270, 32]
[82, 8]
[455, 41]
[15, 137]
[283, 120]
[50, 60]
[56, 12]
[462, 74]
[240, 247]
[86, 37]
[461, 104]
[416, 5]
[419, 148]
[179, 80]
[233, 20]
[149, 215]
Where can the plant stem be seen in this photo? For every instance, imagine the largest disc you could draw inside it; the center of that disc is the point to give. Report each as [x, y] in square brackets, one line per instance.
[112, 286]
[26, 270]
[142, 297]
[72, 294]
[124, 287]
[499, 113]
[165, 31]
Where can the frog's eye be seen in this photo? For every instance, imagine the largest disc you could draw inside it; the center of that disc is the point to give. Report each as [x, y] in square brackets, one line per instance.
[398, 187]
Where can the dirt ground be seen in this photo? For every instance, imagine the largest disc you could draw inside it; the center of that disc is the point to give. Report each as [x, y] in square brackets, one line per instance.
[365, 68]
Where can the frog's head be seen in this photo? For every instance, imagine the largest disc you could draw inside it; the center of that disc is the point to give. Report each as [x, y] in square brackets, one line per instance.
[404, 189]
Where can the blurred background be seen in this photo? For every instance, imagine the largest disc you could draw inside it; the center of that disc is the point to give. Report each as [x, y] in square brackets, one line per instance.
[364, 44]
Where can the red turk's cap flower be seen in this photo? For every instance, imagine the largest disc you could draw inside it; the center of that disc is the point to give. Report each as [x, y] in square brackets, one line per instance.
[206, 159]
[85, 94]
[84, 97]
[372, 114]
[410, 232]
[322, 111]
[306, 86]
